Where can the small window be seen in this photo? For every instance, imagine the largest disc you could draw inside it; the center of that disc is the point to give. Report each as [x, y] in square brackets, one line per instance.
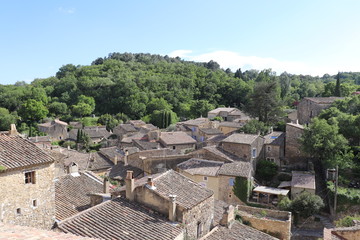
[231, 182]
[253, 153]
[30, 177]
[174, 147]
[230, 195]
[18, 211]
[205, 178]
[269, 149]
[34, 203]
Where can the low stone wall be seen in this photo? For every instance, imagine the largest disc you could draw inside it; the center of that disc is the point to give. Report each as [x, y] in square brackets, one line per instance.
[266, 220]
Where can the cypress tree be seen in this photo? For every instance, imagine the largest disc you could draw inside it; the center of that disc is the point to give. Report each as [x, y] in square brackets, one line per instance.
[337, 92]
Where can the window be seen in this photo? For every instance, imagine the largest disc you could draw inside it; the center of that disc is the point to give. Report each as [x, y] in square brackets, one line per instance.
[270, 159]
[231, 182]
[34, 203]
[18, 211]
[205, 178]
[199, 230]
[269, 149]
[253, 153]
[230, 195]
[30, 177]
[174, 147]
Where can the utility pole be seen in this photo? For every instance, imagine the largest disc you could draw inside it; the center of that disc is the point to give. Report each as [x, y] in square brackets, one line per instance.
[336, 187]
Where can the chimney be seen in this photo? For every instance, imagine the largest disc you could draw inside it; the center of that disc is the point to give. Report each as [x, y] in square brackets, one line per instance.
[297, 122]
[126, 157]
[172, 208]
[106, 185]
[150, 183]
[13, 131]
[116, 160]
[228, 216]
[130, 185]
[73, 168]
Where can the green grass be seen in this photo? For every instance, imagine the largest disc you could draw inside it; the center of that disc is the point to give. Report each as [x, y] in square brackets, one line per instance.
[349, 196]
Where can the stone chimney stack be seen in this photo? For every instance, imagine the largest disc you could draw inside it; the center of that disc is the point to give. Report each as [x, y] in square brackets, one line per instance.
[228, 216]
[130, 186]
[126, 157]
[150, 183]
[172, 208]
[106, 185]
[13, 131]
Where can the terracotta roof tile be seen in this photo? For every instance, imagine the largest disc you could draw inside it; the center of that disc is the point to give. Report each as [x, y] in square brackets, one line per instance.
[173, 138]
[71, 193]
[196, 166]
[241, 138]
[239, 169]
[16, 152]
[303, 180]
[119, 171]
[120, 219]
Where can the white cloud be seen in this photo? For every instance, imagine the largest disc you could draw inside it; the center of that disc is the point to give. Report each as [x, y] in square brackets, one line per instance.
[67, 10]
[234, 61]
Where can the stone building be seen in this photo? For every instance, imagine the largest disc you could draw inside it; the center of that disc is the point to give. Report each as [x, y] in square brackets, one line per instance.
[95, 133]
[249, 147]
[311, 107]
[192, 127]
[178, 141]
[293, 154]
[27, 191]
[56, 129]
[302, 182]
[229, 127]
[274, 147]
[229, 115]
[217, 176]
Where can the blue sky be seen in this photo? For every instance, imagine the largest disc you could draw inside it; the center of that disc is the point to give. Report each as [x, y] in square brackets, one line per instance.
[301, 37]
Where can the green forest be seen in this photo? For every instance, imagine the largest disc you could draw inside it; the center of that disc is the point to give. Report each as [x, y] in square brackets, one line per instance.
[144, 86]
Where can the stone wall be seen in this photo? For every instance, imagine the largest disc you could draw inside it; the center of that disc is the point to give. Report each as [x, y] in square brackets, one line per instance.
[349, 233]
[308, 109]
[226, 193]
[293, 153]
[202, 215]
[266, 220]
[211, 183]
[275, 152]
[238, 149]
[28, 204]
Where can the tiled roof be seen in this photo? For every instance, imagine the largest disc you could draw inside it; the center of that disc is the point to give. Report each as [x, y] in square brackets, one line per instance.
[127, 127]
[119, 171]
[145, 145]
[239, 169]
[217, 110]
[137, 123]
[196, 122]
[238, 231]
[48, 124]
[39, 139]
[275, 138]
[111, 152]
[16, 152]
[216, 138]
[66, 156]
[295, 125]
[196, 166]
[98, 162]
[120, 219]
[71, 193]
[303, 180]
[222, 154]
[92, 132]
[210, 131]
[241, 138]
[188, 193]
[173, 138]
[231, 124]
[16, 232]
[323, 100]
[129, 139]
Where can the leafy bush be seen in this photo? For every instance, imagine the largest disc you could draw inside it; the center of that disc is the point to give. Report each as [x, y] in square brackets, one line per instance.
[241, 189]
[285, 204]
[347, 221]
[306, 204]
[345, 196]
[2, 168]
[265, 170]
[284, 177]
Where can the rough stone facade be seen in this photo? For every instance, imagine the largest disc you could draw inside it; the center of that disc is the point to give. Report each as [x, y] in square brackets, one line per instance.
[28, 204]
[293, 153]
[274, 153]
[266, 220]
[349, 233]
[309, 108]
[226, 192]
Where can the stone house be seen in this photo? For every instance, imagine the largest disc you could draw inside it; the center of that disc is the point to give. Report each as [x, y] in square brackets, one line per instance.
[274, 147]
[123, 130]
[175, 196]
[56, 129]
[217, 176]
[249, 147]
[206, 133]
[192, 126]
[302, 181]
[311, 107]
[27, 191]
[178, 141]
[96, 133]
[229, 127]
[229, 115]
[293, 154]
